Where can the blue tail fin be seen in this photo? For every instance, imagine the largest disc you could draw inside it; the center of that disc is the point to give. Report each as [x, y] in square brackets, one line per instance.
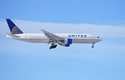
[13, 28]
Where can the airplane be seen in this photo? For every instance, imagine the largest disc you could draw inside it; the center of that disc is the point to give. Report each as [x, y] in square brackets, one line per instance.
[54, 39]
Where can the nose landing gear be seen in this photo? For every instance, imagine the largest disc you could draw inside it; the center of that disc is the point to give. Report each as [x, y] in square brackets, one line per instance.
[93, 44]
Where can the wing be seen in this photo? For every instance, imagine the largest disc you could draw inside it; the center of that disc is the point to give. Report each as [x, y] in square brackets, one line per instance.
[54, 38]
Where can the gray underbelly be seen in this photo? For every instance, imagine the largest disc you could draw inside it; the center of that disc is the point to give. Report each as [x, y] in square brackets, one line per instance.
[84, 41]
[35, 40]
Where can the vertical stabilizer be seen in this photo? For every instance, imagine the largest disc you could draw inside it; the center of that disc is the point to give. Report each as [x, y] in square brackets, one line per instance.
[13, 28]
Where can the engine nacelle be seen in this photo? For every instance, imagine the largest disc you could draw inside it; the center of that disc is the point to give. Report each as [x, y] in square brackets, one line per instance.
[68, 42]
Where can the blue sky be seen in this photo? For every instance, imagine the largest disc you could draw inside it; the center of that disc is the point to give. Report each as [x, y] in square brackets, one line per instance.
[78, 11]
[27, 61]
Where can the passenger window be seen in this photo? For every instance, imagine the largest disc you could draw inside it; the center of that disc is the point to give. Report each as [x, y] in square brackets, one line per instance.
[73, 35]
[81, 36]
[85, 36]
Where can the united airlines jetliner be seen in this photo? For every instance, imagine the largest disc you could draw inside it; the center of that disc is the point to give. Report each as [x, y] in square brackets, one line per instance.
[63, 39]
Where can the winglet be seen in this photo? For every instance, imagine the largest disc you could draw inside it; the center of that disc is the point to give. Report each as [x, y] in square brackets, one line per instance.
[13, 28]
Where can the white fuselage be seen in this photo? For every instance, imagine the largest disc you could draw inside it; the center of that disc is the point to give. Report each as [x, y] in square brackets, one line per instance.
[54, 39]
[41, 38]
